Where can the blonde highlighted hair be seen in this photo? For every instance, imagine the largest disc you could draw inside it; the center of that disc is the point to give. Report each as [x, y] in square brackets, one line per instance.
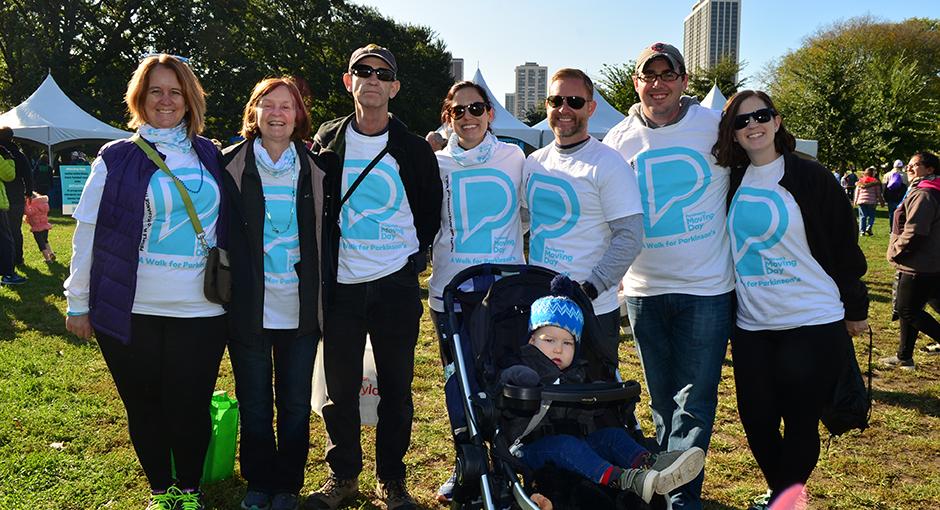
[193, 95]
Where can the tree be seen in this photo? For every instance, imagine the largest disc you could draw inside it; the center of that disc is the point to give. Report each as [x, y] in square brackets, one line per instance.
[616, 85]
[534, 115]
[868, 91]
[724, 74]
[92, 47]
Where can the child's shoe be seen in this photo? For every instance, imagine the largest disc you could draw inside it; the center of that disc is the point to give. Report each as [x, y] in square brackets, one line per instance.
[48, 255]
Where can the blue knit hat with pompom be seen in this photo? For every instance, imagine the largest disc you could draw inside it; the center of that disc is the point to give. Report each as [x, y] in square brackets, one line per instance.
[558, 309]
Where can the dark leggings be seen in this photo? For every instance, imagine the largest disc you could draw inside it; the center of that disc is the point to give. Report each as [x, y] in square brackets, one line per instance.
[166, 376]
[914, 291]
[785, 375]
[42, 239]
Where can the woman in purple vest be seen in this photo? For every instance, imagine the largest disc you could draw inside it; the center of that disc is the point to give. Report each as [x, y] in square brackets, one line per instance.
[137, 273]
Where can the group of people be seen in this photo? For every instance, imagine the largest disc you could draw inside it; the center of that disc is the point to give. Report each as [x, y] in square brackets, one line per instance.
[682, 206]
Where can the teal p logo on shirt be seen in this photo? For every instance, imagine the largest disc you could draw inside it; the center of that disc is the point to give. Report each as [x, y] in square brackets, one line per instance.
[554, 209]
[670, 180]
[376, 200]
[757, 221]
[483, 200]
[171, 232]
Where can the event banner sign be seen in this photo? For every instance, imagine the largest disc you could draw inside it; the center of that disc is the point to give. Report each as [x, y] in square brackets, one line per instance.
[73, 179]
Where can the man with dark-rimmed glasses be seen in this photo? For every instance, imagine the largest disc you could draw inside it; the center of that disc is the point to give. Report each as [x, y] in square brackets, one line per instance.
[586, 219]
[679, 289]
[375, 244]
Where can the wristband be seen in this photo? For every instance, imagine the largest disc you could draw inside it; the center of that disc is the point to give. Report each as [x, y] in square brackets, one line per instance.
[75, 314]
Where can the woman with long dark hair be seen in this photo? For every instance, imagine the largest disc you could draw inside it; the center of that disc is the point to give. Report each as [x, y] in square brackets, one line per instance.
[798, 270]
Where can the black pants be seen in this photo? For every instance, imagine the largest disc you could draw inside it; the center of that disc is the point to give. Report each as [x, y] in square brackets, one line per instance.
[388, 309]
[42, 239]
[165, 377]
[914, 290]
[6, 245]
[268, 464]
[785, 375]
[15, 215]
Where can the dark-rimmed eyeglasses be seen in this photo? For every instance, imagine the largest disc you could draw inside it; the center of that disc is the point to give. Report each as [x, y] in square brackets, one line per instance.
[667, 76]
[364, 71]
[762, 116]
[575, 102]
[476, 109]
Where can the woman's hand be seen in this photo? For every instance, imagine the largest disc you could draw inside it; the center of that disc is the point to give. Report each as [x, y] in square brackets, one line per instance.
[79, 325]
[541, 501]
[856, 328]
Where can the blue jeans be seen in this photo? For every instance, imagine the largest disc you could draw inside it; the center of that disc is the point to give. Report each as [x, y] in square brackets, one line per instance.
[590, 456]
[892, 206]
[866, 217]
[270, 465]
[682, 340]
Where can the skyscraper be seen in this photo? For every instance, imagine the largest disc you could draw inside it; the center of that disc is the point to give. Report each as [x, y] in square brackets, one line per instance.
[531, 88]
[456, 69]
[712, 31]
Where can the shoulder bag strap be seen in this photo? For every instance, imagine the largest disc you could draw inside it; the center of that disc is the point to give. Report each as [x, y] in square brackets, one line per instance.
[190, 209]
[362, 175]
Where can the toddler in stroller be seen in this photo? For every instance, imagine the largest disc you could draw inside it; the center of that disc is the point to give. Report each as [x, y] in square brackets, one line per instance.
[568, 436]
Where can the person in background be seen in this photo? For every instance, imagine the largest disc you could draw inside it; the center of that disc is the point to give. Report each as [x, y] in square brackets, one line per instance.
[867, 197]
[138, 270]
[915, 252]
[800, 297]
[480, 213]
[7, 172]
[894, 185]
[17, 190]
[849, 179]
[276, 191]
[37, 215]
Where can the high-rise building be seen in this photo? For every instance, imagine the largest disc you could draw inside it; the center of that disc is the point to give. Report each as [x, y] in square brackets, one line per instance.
[712, 31]
[456, 69]
[531, 88]
[510, 103]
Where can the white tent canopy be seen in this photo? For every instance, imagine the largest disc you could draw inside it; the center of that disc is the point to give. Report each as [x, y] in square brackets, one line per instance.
[505, 124]
[714, 100]
[605, 117]
[50, 118]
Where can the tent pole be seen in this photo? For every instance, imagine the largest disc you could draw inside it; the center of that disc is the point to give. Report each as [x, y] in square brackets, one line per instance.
[49, 147]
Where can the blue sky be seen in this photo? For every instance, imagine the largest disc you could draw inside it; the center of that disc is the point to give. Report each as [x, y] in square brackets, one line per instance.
[499, 35]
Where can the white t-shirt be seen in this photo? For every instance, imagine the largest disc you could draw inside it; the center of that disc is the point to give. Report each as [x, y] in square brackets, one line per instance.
[377, 226]
[779, 283]
[480, 221]
[571, 198]
[684, 195]
[172, 263]
[281, 249]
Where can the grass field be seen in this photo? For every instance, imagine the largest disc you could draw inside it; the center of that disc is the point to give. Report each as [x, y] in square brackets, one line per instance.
[64, 443]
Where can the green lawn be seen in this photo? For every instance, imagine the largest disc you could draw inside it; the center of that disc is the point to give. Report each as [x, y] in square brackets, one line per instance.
[64, 444]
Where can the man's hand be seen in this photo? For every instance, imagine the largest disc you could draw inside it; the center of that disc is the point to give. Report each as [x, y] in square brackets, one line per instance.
[79, 325]
[856, 328]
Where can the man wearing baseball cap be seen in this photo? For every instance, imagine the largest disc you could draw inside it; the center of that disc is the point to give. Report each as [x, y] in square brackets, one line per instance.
[679, 289]
[894, 185]
[382, 201]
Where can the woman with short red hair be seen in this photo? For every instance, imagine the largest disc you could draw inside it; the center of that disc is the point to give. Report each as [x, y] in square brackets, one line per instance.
[275, 189]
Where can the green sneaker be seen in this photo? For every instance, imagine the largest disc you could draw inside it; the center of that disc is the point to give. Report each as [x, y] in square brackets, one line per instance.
[165, 500]
[190, 501]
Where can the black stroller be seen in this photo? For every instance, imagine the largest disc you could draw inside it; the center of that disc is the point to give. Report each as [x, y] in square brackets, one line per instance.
[487, 307]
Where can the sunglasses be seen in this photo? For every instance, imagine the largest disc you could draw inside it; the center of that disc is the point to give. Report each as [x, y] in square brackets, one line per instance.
[476, 109]
[575, 102]
[663, 76]
[762, 116]
[364, 71]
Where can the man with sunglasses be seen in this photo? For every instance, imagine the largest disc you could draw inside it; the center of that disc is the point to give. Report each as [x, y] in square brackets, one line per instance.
[382, 201]
[585, 216]
[680, 288]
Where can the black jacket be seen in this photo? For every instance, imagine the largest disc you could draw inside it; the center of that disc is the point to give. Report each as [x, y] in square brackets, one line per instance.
[22, 183]
[246, 239]
[831, 228]
[419, 175]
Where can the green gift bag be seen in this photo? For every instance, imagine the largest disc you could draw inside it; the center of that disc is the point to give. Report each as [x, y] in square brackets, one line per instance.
[220, 457]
